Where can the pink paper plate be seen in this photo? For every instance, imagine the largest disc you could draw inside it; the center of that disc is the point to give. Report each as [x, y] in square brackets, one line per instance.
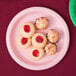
[22, 56]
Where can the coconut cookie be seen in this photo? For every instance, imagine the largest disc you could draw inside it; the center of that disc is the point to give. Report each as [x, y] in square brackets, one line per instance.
[39, 40]
[37, 53]
[41, 23]
[50, 49]
[53, 36]
[24, 42]
[27, 29]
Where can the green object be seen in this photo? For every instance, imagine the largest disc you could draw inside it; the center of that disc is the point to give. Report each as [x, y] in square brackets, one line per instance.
[72, 11]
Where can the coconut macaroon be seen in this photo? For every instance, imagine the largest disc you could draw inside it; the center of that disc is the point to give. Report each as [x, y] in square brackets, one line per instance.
[36, 53]
[50, 49]
[27, 29]
[53, 36]
[41, 23]
[39, 40]
[24, 42]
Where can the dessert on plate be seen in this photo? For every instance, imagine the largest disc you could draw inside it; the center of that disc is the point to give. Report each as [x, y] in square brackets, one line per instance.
[41, 23]
[39, 40]
[24, 42]
[27, 29]
[53, 36]
[37, 53]
[50, 49]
